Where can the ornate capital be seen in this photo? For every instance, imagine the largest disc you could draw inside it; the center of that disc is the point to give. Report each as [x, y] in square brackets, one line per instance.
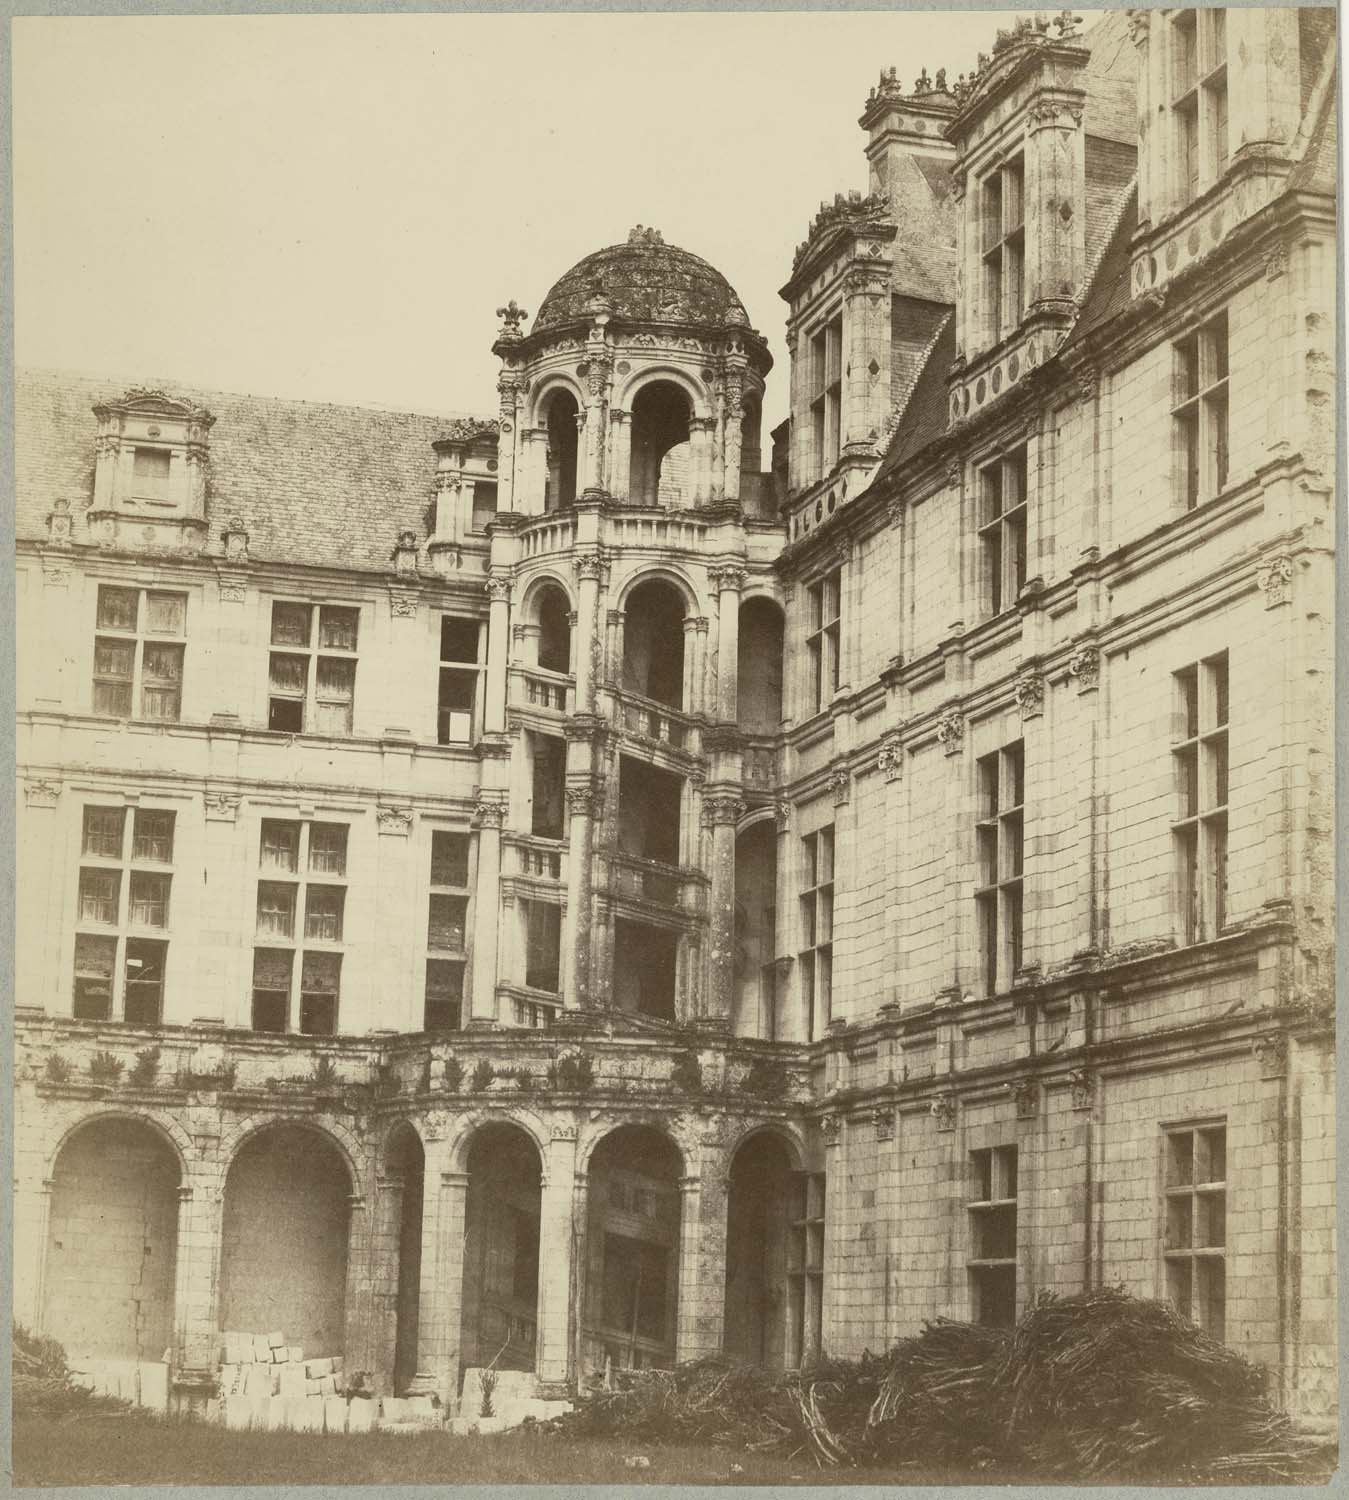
[1027, 1096]
[435, 1124]
[831, 1127]
[884, 1120]
[944, 1109]
[840, 785]
[727, 578]
[489, 814]
[1276, 263]
[782, 816]
[394, 820]
[499, 586]
[1275, 578]
[1085, 665]
[41, 792]
[890, 758]
[589, 565]
[584, 801]
[221, 807]
[951, 733]
[1088, 383]
[1271, 1052]
[722, 810]
[1082, 1086]
[1030, 695]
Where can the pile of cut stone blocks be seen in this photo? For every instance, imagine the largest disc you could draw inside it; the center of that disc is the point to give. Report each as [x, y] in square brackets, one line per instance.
[141, 1381]
[267, 1383]
[514, 1399]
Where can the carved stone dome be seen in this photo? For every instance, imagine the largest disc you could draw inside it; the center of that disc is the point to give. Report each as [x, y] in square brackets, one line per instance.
[644, 281]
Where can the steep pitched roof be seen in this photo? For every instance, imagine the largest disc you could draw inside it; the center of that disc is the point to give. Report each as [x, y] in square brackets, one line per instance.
[1108, 291]
[329, 486]
[924, 418]
[1316, 172]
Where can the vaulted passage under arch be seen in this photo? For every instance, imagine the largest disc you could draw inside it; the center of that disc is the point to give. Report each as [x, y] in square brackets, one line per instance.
[759, 667]
[554, 630]
[653, 643]
[755, 975]
[757, 1309]
[631, 1295]
[661, 473]
[501, 1251]
[112, 1242]
[406, 1171]
[562, 414]
[283, 1253]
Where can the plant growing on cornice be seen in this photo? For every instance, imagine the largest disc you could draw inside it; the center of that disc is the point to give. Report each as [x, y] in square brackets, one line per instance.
[387, 1081]
[104, 1067]
[767, 1079]
[424, 1081]
[454, 1074]
[572, 1073]
[324, 1077]
[58, 1069]
[523, 1079]
[687, 1073]
[145, 1069]
[483, 1077]
[219, 1079]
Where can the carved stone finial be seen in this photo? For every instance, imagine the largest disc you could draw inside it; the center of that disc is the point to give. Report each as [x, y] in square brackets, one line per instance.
[922, 84]
[1066, 24]
[639, 234]
[512, 315]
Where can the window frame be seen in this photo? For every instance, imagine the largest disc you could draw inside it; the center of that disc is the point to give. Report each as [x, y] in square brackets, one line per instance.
[445, 957]
[1000, 858]
[1002, 247]
[458, 668]
[1198, 101]
[315, 703]
[826, 391]
[1185, 1206]
[824, 638]
[1201, 760]
[804, 1272]
[816, 907]
[137, 642]
[993, 1218]
[297, 880]
[122, 862]
[1004, 530]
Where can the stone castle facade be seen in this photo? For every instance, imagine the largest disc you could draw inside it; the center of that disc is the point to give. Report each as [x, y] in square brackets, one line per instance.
[577, 888]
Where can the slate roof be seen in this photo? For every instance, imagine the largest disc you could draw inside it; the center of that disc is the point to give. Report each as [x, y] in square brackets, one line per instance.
[329, 486]
[924, 418]
[1108, 291]
[1316, 172]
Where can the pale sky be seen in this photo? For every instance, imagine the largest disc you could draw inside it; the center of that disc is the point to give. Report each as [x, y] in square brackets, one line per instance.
[332, 207]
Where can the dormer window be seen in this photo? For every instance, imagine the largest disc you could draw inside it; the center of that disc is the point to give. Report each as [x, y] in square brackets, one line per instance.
[150, 475]
[1199, 99]
[1004, 246]
[826, 405]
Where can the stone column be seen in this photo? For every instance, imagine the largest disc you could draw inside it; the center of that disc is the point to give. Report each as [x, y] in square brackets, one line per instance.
[688, 1335]
[866, 348]
[620, 453]
[709, 1319]
[578, 1290]
[700, 458]
[589, 568]
[196, 1271]
[577, 919]
[382, 1335]
[613, 674]
[1055, 257]
[728, 582]
[508, 452]
[720, 814]
[442, 1280]
[498, 646]
[531, 462]
[358, 1301]
[731, 444]
[487, 903]
[552, 1352]
[585, 479]
[597, 385]
[32, 1216]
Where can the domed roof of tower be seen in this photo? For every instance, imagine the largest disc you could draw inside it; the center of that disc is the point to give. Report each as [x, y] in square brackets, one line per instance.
[643, 281]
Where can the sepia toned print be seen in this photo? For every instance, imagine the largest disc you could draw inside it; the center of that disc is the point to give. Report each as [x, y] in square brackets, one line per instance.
[514, 899]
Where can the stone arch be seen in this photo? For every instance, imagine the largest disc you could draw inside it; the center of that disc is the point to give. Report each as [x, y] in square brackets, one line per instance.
[630, 1264]
[557, 408]
[655, 610]
[643, 375]
[110, 1256]
[667, 572]
[468, 1125]
[760, 664]
[352, 1151]
[757, 1309]
[783, 1130]
[661, 469]
[536, 583]
[503, 1212]
[595, 1131]
[172, 1132]
[285, 1235]
[546, 387]
[547, 606]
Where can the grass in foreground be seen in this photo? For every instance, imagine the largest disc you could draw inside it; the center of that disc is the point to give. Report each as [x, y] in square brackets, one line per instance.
[139, 1450]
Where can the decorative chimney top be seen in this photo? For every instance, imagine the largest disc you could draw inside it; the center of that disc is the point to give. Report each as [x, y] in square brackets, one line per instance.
[849, 208]
[639, 235]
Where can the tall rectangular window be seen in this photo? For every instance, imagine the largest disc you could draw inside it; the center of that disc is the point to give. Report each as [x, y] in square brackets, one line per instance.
[463, 645]
[1000, 852]
[447, 930]
[805, 1267]
[1002, 530]
[1200, 412]
[1199, 100]
[815, 961]
[826, 396]
[823, 639]
[122, 915]
[1200, 755]
[138, 653]
[1004, 247]
[992, 1220]
[1195, 1209]
[312, 668]
[301, 916]
[543, 945]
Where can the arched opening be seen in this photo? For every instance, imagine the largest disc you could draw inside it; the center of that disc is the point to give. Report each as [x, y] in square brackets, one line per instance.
[660, 472]
[283, 1249]
[756, 878]
[653, 643]
[499, 1319]
[759, 667]
[554, 615]
[560, 421]
[112, 1242]
[406, 1172]
[632, 1252]
[757, 1312]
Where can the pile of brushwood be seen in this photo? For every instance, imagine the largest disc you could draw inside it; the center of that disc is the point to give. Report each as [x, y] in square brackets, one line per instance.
[42, 1384]
[1101, 1386]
